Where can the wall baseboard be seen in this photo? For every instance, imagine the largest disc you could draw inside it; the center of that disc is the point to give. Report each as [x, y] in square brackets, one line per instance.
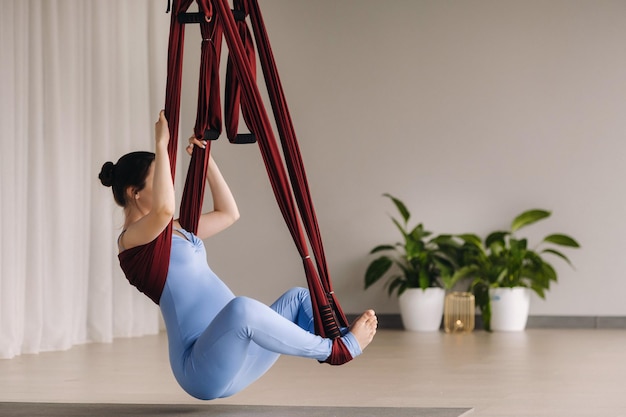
[394, 321]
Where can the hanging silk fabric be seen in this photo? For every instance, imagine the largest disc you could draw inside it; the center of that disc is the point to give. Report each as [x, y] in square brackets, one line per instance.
[289, 184]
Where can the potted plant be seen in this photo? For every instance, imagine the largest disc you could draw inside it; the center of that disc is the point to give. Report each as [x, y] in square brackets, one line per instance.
[418, 269]
[503, 268]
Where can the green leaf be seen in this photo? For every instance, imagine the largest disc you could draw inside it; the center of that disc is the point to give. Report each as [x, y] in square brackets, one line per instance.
[400, 206]
[400, 227]
[501, 280]
[539, 291]
[424, 280]
[559, 254]
[481, 294]
[563, 240]
[549, 272]
[376, 270]
[472, 239]
[536, 278]
[518, 245]
[497, 248]
[528, 217]
[397, 283]
[444, 240]
[380, 248]
[533, 259]
[412, 248]
[496, 237]
[418, 232]
[464, 272]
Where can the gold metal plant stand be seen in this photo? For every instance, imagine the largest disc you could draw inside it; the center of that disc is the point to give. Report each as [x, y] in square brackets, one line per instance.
[458, 312]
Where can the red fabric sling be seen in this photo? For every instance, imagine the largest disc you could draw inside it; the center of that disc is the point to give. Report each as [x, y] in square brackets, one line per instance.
[328, 312]
[233, 86]
[291, 191]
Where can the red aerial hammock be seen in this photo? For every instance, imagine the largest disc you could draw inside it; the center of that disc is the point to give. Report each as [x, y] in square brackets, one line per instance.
[217, 21]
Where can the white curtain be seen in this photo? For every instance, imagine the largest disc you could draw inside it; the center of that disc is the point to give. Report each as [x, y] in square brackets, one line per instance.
[81, 82]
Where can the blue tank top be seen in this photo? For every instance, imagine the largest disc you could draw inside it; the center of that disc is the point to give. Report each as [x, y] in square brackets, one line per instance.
[193, 295]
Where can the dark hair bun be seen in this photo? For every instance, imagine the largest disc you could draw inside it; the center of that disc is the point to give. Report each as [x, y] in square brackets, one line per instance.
[106, 174]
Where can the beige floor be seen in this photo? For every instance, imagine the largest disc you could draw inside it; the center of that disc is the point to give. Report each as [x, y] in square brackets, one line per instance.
[532, 373]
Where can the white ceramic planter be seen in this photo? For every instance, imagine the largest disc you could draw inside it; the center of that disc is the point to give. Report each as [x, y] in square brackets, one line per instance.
[422, 310]
[509, 308]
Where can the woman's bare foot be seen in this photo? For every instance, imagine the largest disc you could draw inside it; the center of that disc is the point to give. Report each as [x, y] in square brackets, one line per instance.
[364, 328]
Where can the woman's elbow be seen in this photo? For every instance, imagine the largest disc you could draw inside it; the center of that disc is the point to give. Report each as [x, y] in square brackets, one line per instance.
[235, 216]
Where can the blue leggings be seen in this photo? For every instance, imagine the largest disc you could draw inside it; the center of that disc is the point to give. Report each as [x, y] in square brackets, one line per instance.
[244, 340]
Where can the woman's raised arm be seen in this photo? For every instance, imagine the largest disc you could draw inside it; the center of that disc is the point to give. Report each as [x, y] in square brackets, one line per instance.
[154, 205]
[225, 211]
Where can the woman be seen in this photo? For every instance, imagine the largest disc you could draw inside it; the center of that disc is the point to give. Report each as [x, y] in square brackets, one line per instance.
[218, 343]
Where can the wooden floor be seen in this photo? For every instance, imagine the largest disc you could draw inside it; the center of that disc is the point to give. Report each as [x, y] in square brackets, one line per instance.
[539, 372]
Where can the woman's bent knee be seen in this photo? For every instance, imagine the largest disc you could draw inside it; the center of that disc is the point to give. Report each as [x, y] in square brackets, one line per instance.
[241, 306]
[299, 292]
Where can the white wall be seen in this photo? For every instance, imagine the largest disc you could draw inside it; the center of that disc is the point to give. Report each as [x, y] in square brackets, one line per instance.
[470, 112]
